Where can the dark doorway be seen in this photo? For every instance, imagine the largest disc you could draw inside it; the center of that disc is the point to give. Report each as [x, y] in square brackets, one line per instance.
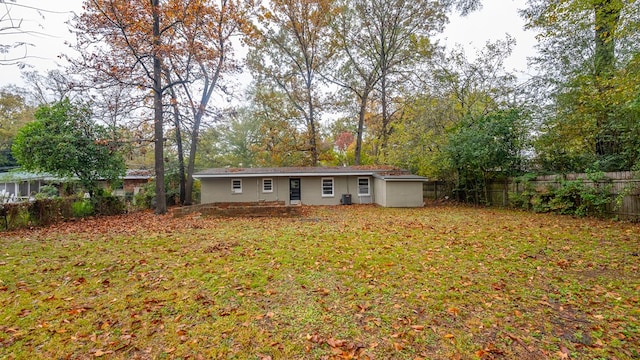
[294, 190]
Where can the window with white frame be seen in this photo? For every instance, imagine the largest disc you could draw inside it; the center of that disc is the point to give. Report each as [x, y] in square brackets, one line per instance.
[236, 186]
[327, 187]
[267, 185]
[363, 186]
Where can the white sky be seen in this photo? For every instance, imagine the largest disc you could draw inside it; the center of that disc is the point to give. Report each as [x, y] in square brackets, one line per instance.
[48, 32]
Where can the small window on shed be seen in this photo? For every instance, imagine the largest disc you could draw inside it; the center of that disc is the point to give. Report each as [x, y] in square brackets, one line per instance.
[363, 186]
[327, 187]
[267, 185]
[236, 186]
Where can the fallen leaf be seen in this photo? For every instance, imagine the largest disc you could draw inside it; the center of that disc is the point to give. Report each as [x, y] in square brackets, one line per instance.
[322, 291]
[335, 343]
[564, 352]
[100, 353]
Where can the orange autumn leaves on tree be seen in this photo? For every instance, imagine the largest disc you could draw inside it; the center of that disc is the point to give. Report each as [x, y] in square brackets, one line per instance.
[198, 69]
[115, 37]
[159, 45]
[291, 50]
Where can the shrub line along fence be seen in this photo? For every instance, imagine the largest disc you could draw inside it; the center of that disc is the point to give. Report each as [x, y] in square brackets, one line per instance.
[623, 187]
[42, 212]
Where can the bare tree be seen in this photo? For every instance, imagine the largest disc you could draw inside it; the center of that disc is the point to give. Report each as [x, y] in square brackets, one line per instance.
[13, 25]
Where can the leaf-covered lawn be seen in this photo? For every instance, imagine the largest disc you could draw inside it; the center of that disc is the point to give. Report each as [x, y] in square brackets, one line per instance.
[362, 282]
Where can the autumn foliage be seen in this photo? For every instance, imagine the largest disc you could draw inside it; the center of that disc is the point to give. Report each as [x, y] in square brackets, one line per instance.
[350, 282]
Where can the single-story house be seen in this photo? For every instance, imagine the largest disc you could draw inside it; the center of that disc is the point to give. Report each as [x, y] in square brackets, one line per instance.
[133, 182]
[16, 186]
[384, 186]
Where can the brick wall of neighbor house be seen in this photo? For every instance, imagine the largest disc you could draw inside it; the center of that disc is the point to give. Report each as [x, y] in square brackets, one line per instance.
[131, 185]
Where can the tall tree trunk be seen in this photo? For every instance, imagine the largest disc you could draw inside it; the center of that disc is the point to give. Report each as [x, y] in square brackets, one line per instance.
[607, 16]
[209, 87]
[192, 155]
[176, 121]
[312, 122]
[385, 114]
[161, 197]
[361, 115]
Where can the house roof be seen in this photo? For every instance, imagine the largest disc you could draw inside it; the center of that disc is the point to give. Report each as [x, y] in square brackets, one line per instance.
[19, 176]
[382, 172]
[138, 174]
[400, 177]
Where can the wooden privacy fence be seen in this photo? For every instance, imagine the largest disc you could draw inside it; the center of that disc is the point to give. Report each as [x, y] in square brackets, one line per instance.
[624, 188]
[436, 190]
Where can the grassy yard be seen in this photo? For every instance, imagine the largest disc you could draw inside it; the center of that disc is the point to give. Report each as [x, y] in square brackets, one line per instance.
[442, 282]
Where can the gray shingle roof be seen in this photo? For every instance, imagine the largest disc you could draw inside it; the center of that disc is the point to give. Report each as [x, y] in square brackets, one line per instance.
[384, 172]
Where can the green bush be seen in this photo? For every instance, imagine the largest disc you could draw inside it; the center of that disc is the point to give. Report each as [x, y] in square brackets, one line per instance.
[15, 216]
[47, 192]
[145, 198]
[568, 198]
[107, 204]
[44, 212]
[82, 208]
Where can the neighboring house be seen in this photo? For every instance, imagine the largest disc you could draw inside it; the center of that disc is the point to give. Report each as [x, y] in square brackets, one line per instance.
[133, 182]
[312, 186]
[16, 186]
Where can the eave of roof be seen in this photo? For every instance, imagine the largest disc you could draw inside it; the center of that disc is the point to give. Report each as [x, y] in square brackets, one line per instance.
[19, 176]
[278, 172]
[383, 172]
[399, 178]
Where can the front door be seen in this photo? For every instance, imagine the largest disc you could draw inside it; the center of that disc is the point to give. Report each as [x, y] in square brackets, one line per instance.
[294, 190]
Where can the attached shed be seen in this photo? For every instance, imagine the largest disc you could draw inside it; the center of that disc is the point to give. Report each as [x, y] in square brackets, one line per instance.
[312, 186]
[399, 190]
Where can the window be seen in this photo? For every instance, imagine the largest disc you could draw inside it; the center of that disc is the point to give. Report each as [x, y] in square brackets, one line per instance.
[267, 185]
[363, 186]
[236, 186]
[327, 187]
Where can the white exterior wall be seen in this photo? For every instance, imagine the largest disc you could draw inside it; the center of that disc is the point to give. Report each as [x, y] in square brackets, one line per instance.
[380, 192]
[312, 190]
[404, 194]
[219, 190]
[387, 193]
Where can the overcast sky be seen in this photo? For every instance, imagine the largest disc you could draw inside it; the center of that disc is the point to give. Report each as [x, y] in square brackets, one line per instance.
[47, 31]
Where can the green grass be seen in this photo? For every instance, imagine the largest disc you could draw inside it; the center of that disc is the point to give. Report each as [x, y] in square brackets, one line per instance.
[367, 282]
